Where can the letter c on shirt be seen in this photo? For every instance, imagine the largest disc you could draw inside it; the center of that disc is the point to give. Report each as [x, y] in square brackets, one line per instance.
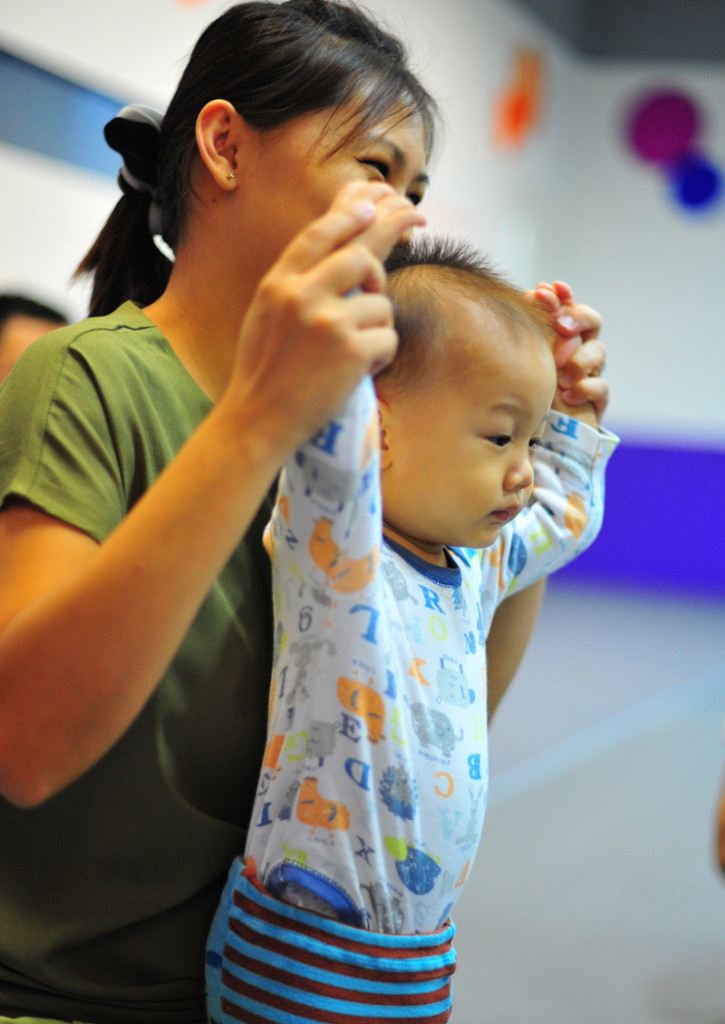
[450, 787]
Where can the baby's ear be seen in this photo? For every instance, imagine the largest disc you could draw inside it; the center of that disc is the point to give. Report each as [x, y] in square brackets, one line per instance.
[386, 454]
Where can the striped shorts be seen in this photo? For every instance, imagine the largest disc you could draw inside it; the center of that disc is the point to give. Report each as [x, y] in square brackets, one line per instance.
[272, 963]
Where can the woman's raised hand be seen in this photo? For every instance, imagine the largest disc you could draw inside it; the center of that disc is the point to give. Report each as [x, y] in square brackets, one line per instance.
[578, 352]
[87, 630]
[320, 319]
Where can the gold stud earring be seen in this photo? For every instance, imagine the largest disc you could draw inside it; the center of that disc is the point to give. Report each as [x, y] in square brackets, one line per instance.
[230, 175]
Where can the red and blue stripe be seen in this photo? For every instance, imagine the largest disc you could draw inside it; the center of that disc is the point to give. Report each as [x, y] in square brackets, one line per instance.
[285, 965]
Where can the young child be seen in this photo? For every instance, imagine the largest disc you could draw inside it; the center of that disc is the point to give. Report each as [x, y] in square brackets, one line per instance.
[396, 533]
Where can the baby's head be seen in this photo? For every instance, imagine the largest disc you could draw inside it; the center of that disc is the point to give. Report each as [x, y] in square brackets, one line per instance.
[463, 404]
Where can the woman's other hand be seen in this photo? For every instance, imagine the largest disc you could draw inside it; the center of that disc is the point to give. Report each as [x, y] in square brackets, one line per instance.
[578, 351]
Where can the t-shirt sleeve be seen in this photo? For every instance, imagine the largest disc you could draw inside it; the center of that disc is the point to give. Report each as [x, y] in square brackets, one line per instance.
[57, 449]
[328, 513]
[566, 511]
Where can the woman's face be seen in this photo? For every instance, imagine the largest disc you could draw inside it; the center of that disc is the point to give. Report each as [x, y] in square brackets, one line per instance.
[290, 175]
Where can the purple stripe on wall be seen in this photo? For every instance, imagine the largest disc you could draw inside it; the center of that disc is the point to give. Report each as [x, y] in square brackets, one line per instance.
[664, 522]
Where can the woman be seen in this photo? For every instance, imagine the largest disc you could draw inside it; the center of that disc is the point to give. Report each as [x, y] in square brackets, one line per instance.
[136, 453]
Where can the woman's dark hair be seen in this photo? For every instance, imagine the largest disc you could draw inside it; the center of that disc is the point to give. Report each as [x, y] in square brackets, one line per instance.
[273, 62]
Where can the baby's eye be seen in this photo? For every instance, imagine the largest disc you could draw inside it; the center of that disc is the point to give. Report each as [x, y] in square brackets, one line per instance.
[500, 440]
[536, 442]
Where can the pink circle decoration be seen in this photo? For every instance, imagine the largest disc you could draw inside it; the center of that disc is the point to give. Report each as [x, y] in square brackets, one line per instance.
[662, 126]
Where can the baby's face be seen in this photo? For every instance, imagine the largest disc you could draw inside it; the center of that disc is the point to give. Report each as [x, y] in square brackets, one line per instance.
[460, 449]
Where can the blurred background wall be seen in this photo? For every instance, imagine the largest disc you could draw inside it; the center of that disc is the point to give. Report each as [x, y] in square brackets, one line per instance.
[553, 114]
[559, 193]
[537, 165]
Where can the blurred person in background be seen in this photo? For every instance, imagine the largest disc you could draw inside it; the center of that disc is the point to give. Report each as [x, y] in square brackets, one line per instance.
[22, 320]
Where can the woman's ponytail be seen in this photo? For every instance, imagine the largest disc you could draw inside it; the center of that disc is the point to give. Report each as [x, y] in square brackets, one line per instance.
[124, 260]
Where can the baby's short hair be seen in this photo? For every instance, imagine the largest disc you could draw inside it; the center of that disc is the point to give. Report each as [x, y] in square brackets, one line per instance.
[424, 276]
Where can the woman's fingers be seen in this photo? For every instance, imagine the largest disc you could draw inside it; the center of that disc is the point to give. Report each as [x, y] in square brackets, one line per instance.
[320, 320]
[371, 213]
[588, 320]
[569, 317]
[351, 269]
[587, 361]
[380, 344]
[395, 217]
[550, 303]
[589, 390]
[564, 349]
[580, 381]
[366, 309]
[564, 293]
[578, 354]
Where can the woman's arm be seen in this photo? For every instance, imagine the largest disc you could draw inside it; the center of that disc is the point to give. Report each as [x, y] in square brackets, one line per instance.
[87, 630]
[508, 638]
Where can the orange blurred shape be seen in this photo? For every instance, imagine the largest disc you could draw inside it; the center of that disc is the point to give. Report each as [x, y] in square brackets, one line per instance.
[517, 109]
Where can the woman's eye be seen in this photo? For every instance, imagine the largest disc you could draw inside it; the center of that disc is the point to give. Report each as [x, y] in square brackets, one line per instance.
[383, 170]
[380, 166]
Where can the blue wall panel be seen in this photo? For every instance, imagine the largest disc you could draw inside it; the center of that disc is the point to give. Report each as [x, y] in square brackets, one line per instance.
[55, 117]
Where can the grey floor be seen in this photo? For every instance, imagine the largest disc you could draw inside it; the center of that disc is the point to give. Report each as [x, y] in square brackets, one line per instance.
[595, 898]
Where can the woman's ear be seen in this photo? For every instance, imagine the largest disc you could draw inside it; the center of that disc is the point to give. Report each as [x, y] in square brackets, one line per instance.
[219, 130]
[384, 422]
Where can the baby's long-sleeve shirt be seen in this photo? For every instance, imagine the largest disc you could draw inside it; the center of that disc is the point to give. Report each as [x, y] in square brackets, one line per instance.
[375, 775]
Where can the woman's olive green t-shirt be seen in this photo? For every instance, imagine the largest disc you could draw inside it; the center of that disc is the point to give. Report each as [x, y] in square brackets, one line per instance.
[107, 890]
